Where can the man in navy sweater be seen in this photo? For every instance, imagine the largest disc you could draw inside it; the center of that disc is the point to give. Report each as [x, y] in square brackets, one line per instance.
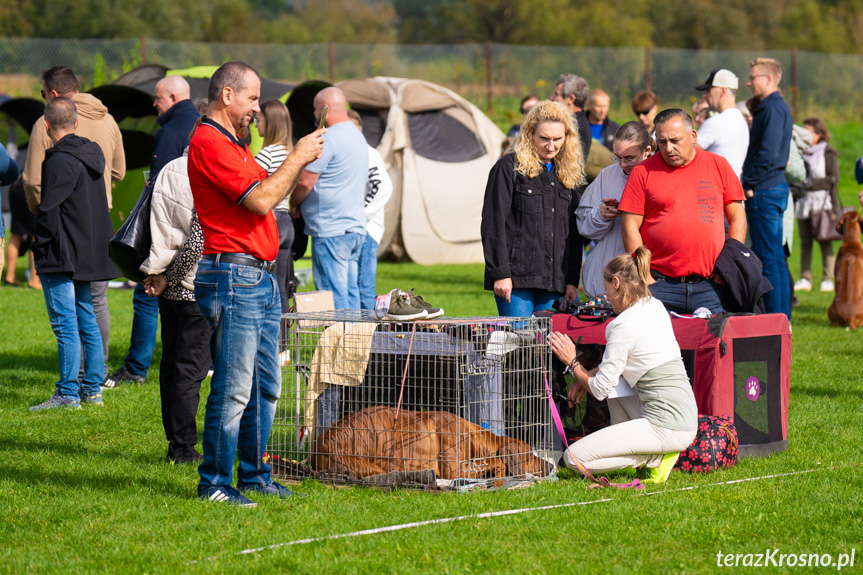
[177, 117]
[764, 180]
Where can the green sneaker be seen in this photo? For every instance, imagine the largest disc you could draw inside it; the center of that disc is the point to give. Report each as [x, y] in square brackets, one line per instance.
[419, 302]
[659, 474]
[401, 310]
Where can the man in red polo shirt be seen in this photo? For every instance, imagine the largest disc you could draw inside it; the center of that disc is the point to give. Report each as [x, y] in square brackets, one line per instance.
[235, 285]
[674, 203]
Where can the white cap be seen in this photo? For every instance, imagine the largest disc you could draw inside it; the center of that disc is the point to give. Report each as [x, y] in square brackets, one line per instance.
[719, 79]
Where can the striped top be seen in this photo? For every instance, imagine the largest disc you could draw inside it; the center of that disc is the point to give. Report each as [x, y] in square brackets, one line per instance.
[270, 158]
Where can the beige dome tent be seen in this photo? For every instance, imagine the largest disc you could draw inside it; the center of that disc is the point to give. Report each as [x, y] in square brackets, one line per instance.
[438, 148]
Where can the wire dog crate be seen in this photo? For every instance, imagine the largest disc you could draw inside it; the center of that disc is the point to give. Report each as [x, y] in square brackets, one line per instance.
[438, 404]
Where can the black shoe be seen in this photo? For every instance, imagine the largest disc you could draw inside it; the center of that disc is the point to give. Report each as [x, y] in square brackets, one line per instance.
[120, 376]
[183, 454]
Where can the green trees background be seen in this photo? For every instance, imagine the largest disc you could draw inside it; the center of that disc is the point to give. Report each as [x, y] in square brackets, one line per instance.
[815, 25]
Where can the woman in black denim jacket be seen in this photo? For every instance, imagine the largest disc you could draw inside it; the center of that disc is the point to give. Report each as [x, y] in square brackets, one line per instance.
[531, 243]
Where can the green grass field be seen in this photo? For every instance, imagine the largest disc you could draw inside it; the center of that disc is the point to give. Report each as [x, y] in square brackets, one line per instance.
[90, 491]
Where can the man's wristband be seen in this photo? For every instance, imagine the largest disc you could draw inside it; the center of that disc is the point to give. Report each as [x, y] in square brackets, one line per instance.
[569, 368]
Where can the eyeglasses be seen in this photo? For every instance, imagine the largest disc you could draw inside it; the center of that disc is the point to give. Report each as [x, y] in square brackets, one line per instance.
[644, 113]
[43, 94]
[753, 76]
[629, 161]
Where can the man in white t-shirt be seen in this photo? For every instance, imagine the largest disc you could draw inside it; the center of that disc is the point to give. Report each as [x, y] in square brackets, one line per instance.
[379, 189]
[726, 133]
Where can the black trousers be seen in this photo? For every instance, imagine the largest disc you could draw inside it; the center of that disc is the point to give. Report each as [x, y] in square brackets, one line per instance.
[186, 359]
[285, 268]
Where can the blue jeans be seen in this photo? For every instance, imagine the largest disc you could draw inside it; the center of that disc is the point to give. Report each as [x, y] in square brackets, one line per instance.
[686, 298]
[242, 306]
[145, 324]
[335, 267]
[524, 301]
[764, 214]
[368, 270]
[70, 310]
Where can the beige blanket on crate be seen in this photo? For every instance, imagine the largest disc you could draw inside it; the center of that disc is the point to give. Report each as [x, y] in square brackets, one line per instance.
[341, 358]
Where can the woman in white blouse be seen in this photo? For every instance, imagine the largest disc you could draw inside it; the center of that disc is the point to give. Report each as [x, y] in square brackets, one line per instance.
[274, 126]
[641, 352]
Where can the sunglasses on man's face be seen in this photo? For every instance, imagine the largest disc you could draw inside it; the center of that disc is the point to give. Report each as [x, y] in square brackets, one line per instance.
[645, 112]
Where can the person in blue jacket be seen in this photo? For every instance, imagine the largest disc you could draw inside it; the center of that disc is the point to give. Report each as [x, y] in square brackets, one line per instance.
[763, 178]
[8, 174]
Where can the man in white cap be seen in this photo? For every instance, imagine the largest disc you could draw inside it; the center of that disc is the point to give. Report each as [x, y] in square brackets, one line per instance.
[725, 133]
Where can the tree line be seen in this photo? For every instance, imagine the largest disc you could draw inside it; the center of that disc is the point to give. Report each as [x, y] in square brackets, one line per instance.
[815, 25]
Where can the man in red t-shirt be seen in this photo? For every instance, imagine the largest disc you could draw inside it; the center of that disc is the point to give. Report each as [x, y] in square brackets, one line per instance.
[235, 285]
[674, 204]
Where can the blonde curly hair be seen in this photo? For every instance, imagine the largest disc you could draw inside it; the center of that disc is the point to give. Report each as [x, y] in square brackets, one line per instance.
[569, 161]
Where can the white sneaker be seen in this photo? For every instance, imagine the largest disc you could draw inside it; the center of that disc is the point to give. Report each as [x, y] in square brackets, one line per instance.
[284, 358]
[803, 284]
[827, 285]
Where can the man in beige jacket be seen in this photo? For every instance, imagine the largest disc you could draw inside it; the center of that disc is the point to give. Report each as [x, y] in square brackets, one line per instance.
[95, 124]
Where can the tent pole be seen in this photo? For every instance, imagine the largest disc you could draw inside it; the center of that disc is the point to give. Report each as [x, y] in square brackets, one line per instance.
[488, 78]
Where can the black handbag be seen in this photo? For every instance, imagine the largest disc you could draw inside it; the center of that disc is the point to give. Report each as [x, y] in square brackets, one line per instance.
[130, 246]
[301, 240]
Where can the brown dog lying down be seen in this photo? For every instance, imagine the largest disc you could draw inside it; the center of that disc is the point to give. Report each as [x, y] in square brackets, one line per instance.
[847, 306]
[371, 442]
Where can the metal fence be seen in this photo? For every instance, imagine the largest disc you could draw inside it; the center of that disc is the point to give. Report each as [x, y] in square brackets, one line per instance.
[480, 71]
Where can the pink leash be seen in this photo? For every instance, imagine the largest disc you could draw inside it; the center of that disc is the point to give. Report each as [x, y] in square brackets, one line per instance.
[602, 481]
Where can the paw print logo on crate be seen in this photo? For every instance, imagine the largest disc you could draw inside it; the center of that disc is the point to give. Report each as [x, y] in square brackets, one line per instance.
[753, 389]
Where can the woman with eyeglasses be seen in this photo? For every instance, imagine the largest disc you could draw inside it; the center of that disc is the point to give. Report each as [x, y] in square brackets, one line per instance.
[597, 214]
[274, 126]
[530, 241]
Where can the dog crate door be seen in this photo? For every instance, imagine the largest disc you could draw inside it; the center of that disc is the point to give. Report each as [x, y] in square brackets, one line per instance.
[757, 389]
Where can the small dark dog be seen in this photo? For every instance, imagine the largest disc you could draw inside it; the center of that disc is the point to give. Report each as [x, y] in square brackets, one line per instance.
[591, 415]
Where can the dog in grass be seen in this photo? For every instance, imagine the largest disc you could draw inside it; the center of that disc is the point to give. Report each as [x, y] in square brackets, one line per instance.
[372, 441]
[847, 306]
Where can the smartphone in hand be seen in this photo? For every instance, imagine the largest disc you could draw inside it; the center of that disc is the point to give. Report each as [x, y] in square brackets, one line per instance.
[323, 117]
[610, 202]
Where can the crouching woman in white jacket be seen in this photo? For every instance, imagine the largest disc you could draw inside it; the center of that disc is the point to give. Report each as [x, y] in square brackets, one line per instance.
[642, 350]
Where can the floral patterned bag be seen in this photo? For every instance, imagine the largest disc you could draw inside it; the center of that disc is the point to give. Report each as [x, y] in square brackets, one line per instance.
[714, 446]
